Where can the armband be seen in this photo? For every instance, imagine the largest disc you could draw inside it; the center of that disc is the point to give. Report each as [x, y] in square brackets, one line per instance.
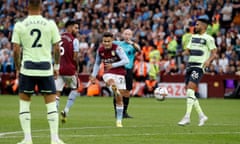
[56, 66]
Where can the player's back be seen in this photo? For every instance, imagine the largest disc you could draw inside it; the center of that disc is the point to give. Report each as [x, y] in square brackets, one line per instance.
[36, 36]
[67, 62]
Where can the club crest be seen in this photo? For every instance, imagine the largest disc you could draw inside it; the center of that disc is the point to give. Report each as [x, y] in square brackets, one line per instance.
[113, 53]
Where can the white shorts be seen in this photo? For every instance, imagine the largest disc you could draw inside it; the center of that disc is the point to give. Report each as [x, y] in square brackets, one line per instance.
[118, 79]
[69, 81]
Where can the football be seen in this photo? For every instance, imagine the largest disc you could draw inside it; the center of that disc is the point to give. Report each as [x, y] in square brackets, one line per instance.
[160, 93]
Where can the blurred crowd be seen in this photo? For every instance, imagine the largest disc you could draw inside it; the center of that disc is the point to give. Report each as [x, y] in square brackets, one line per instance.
[159, 26]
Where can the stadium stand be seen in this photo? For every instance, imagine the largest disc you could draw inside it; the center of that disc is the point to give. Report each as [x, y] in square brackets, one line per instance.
[160, 23]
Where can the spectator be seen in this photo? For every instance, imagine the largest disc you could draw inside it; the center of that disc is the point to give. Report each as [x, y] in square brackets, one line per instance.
[182, 69]
[141, 69]
[172, 45]
[223, 62]
[3, 39]
[149, 87]
[6, 59]
[211, 70]
[93, 89]
[226, 11]
[147, 19]
[236, 47]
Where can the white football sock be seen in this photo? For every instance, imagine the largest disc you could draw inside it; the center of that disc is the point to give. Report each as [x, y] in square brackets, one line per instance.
[53, 120]
[25, 119]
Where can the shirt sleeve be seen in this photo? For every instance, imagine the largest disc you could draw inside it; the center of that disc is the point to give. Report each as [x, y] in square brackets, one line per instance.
[116, 42]
[189, 43]
[55, 33]
[76, 45]
[16, 34]
[96, 65]
[123, 58]
[211, 43]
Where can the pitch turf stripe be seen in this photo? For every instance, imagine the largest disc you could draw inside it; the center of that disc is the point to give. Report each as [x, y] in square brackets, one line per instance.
[128, 135]
[4, 134]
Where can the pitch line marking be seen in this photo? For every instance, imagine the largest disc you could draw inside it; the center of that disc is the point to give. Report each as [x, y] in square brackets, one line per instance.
[4, 134]
[126, 135]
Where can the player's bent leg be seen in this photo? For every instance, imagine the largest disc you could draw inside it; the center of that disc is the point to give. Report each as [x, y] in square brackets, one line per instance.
[115, 90]
[71, 98]
[202, 117]
[190, 101]
[63, 116]
[119, 102]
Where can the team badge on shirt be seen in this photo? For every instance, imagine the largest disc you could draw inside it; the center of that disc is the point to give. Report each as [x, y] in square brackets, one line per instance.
[113, 53]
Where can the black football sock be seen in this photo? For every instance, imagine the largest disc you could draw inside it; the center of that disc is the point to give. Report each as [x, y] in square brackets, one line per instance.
[125, 104]
[114, 106]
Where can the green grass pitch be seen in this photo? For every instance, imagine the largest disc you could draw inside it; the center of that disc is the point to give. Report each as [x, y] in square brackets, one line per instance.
[91, 121]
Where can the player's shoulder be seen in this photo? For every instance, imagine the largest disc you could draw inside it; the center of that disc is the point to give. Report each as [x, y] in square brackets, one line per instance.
[208, 36]
[18, 24]
[48, 21]
[51, 21]
[119, 48]
[117, 42]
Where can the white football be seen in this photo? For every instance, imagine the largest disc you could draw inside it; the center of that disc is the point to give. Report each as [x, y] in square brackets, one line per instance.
[160, 93]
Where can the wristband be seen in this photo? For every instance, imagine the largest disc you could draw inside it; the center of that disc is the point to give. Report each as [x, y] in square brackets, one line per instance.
[56, 66]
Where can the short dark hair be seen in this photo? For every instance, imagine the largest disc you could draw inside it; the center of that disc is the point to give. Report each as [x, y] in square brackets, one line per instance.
[70, 22]
[204, 20]
[107, 34]
[34, 3]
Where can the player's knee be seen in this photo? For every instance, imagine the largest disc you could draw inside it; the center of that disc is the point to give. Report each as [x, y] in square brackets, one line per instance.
[110, 82]
[192, 85]
[125, 93]
[191, 94]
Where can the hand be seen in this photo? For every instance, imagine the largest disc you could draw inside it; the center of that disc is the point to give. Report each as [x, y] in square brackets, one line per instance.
[130, 42]
[107, 66]
[206, 64]
[56, 73]
[185, 52]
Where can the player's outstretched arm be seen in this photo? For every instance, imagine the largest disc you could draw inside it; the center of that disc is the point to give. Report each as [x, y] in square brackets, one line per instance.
[122, 55]
[96, 66]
